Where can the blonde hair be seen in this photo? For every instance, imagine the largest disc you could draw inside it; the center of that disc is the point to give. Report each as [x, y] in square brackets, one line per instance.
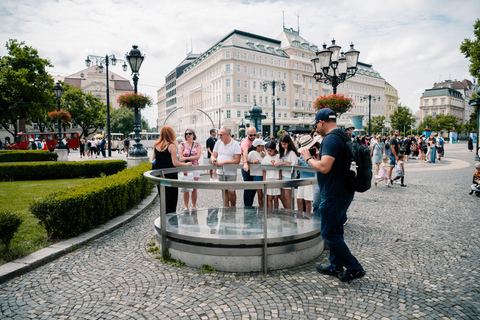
[167, 135]
[385, 158]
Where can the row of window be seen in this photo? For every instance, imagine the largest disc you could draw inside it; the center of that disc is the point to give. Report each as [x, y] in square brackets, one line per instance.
[256, 58]
[434, 112]
[279, 115]
[434, 102]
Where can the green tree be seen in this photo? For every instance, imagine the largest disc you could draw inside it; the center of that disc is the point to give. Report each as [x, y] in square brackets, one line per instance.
[378, 124]
[471, 50]
[88, 112]
[446, 122]
[427, 122]
[25, 87]
[121, 121]
[402, 118]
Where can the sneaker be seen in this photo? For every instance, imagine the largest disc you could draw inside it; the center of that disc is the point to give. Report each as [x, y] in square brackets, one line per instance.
[345, 223]
[211, 180]
[346, 275]
[328, 271]
[376, 183]
[391, 182]
[403, 185]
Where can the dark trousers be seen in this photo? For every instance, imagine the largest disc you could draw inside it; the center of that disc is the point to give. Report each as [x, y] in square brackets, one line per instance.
[171, 194]
[333, 213]
[248, 195]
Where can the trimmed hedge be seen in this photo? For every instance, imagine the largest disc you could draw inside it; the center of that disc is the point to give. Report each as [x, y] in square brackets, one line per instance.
[27, 155]
[9, 224]
[79, 209]
[59, 170]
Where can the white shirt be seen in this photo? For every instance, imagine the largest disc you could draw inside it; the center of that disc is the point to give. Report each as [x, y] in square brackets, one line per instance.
[227, 152]
[291, 158]
[252, 156]
[271, 174]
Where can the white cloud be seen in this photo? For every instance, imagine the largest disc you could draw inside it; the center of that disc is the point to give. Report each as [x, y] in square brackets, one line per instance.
[411, 43]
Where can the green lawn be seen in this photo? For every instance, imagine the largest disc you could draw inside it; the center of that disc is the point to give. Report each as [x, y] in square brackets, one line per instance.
[17, 196]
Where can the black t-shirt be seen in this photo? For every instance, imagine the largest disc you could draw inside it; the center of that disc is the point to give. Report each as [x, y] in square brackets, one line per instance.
[394, 144]
[126, 142]
[210, 144]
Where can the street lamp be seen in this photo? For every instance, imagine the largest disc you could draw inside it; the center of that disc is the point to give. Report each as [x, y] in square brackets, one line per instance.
[135, 59]
[333, 67]
[476, 103]
[369, 97]
[273, 83]
[58, 91]
[100, 61]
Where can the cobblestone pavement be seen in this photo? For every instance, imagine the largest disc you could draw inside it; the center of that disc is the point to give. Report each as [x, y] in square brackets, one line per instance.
[419, 245]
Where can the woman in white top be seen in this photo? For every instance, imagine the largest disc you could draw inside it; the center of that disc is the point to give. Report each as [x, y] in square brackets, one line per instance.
[256, 153]
[272, 158]
[288, 157]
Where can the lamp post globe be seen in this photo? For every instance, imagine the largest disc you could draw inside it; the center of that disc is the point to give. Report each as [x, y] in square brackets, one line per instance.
[58, 91]
[135, 59]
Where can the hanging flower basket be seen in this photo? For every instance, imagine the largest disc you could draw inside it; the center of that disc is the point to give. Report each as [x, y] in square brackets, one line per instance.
[132, 100]
[337, 102]
[61, 115]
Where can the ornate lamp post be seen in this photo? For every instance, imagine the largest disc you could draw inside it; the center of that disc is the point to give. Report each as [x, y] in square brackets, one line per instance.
[100, 61]
[135, 59]
[273, 83]
[370, 97]
[476, 103]
[58, 91]
[333, 67]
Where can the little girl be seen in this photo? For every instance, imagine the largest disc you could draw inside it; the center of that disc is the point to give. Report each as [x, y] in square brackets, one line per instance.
[272, 158]
[255, 156]
[383, 172]
[400, 172]
[288, 157]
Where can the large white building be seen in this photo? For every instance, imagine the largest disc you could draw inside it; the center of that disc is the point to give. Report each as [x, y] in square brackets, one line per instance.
[226, 81]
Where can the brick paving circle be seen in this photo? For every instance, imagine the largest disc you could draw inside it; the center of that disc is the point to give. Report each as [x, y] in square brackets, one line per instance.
[419, 245]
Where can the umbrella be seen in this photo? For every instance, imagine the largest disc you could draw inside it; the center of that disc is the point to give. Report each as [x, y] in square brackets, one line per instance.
[298, 129]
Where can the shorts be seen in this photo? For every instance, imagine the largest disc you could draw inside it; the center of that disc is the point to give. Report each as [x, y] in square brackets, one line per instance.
[257, 178]
[393, 161]
[196, 173]
[305, 192]
[227, 177]
[275, 191]
[285, 179]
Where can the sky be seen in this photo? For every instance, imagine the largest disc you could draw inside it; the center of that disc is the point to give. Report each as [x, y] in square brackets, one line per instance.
[411, 43]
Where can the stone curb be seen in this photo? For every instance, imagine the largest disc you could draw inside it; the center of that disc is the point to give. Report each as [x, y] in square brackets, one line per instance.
[45, 255]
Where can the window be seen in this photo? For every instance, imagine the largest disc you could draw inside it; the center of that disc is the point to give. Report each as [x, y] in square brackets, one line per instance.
[227, 54]
[296, 90]
[285, 102]
[228, 83]
[238, 114]
[238, 98]
[434, 113]
[245, 69]
[443, 111]
[434, 102]
[253, 57]
[254, 84]
[303, 103]
[245, 56]
[244, 113]
[253, 70]
[316, 93]
[228, 67]
[271, 74]
[309, 92]
[296, 76]
[238, 83]
[295, 115]
[303, 90]
[238, 55]
[260, 71]
[245, 98]
[265, 60]
[284, 115]
[254, 99]
[303, 79]
[271, 61]
[279, 114]
[238, 68]
[284, 75]
[279, 75]
[295, 53]
[296, 102]
[442, 101]
[265, 72]
[296, 65]
[426, 112]
[228, 97]
[228, 114]
[245, 84]
[303, 55]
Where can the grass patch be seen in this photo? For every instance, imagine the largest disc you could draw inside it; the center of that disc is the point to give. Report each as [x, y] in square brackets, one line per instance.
[17, 196]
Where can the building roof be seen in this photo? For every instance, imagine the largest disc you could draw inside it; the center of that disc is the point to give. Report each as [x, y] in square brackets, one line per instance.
[367, 70]
[454, 84]
[435, 92]
[292, 38]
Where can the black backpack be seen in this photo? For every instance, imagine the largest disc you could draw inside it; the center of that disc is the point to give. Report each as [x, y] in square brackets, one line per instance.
[34, 146]
[360, 154]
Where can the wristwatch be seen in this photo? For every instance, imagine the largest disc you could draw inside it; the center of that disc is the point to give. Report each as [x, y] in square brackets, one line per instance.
[308, 159]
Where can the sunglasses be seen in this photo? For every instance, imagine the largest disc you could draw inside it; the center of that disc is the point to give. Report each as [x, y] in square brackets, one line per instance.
[188, 133]
[252, 135]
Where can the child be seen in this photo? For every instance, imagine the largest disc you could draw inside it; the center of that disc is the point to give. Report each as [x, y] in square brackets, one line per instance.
[305, 193]
[383, 172]
[289, 157]
[272, 158]
[400, 173]
[255, 156]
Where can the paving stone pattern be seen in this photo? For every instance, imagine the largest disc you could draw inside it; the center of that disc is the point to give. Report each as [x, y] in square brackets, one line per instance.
[419, 245]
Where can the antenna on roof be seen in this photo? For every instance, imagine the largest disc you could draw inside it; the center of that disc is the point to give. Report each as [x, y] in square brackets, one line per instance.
[283, 19]
[298, 24]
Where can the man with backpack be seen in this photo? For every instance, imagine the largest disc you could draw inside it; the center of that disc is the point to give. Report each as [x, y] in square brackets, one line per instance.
[439, 143]
[336, 196]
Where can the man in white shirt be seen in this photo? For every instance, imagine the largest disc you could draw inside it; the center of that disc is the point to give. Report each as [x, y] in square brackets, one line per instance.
[226, 151]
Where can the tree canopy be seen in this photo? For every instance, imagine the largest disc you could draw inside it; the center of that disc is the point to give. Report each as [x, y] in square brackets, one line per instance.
[121, 121]
[25, 86]
[471, 50]
[402, 118]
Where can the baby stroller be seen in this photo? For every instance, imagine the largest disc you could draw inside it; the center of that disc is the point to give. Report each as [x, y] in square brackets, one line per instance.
[475, 189]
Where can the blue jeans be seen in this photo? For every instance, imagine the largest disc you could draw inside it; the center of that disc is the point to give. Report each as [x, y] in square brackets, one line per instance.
[248, 195]
[434, 154]
[333, 213]
[317, 198]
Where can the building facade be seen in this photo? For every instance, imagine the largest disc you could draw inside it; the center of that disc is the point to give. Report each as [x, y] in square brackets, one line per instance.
[391, 100]
[218, 87]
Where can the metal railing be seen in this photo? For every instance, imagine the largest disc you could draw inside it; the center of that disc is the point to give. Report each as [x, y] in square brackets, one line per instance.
[158, 177]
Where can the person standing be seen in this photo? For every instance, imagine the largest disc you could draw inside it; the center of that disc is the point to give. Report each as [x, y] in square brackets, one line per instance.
[248, 195]
[336, 198]
[190, 151]
[434, 148]
[165, 156]
[226, 151]
[126, 145]
[377, 152]
[102, 146]
[210, 145]
[288, 157]
[394, 148]
[82, 147]
[470, 144]
[439, 143]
